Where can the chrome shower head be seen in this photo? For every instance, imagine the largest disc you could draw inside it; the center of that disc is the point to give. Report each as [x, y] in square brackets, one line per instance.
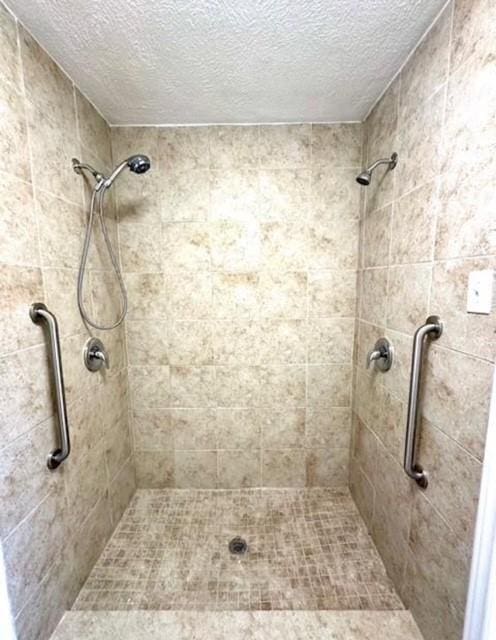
[365, 176]
[138, 163]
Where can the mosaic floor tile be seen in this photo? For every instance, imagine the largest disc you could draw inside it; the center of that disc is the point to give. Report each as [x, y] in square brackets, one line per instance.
[307, 549]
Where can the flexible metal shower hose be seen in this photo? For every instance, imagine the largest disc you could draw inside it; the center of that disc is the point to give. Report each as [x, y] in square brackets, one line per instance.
[99, 194]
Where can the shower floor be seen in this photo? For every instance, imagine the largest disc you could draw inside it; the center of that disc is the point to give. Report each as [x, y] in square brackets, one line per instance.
[308, 549]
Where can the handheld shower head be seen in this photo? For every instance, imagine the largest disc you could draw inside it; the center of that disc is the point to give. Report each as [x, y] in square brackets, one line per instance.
[138, 163]
[365, 176]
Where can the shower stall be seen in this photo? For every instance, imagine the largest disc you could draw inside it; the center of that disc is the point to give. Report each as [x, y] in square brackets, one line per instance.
[262, 391]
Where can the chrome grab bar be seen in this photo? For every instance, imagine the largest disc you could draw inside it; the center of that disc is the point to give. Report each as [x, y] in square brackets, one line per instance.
[433, 328]
[38, 312]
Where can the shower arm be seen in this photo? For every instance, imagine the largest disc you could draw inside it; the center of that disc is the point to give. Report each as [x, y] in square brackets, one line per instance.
[390, 161]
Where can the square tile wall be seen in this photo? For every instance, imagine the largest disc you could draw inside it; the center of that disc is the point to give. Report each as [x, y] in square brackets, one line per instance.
[240, 250]
[424, 227]
[53, 525]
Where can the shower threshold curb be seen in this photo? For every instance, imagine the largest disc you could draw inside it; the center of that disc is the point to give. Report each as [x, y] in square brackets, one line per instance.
[237, 625]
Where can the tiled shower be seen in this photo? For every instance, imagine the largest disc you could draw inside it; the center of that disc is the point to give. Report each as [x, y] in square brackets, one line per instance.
[237, 402]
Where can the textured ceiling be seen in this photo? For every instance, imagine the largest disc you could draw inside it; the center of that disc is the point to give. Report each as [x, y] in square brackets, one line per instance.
[220, 61]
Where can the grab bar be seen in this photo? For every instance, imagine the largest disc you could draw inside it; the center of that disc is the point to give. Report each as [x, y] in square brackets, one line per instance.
[433, 327]
[39, 312]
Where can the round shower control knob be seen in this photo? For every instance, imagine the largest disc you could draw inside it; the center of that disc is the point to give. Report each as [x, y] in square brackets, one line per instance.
[95, 355]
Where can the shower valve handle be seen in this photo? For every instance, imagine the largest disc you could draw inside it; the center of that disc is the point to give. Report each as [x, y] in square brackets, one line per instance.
[95, 355]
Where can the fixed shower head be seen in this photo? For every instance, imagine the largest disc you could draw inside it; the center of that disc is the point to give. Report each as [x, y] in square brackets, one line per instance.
[139, 163]
[365, 176]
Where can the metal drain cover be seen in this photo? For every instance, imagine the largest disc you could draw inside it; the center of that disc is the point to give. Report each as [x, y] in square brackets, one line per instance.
[238, 546]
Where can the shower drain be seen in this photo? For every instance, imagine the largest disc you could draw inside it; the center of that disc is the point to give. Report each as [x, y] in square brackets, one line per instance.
[238, 546]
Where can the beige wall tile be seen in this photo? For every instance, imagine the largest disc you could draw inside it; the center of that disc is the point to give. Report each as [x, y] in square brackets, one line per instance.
[374, 295]
[468, 332]
[233, 146]
[237, 342]
[427, 70]
[192, 386]
[473, 28]
[153, 429]
[181, 148]
[234, 195]
[284, 194]
[339, 145]
[282, 385]
[148, 296]
[18, 223]
[149, 387]
[194, 428]
[24, 478]
[239, 469]
[238, 428]
[140, 198]
[237, 386]
[189, 295]
[140, 248]
[328, 428]
[25, 570]
[329, 385]
[53, 145]
[454, 477]
[333, 246]
[330, 341]
[470, 122]
[187, 246]
[436, 575]
[331, 293]
[283, 468]
[419, 145]
[283, 295]
[466, 197]
[26, 392]
[45, 83]
[235, 295]
[190, 343]
[11, 67]
[283, 428]
[235, 245]
[155, 469]
[93, 129]
[282, 342]
[285, 146]
[362, 491]
[413, 225]
[327, 467]
[19, 287]
[377, 237]
[122, 489]
[185, 196]
[408, 297]
[457, 396]
[197, 469]
[147, 342]
[284, 246]
[13, 130]
[61, 229]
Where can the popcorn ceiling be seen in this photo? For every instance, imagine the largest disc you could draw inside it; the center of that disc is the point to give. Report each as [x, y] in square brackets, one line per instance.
[209, 61]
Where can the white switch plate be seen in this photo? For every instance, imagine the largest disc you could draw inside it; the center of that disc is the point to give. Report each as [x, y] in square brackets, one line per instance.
[480, 291]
